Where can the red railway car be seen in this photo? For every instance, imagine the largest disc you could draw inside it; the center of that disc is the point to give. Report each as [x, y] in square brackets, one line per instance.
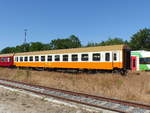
[6, 60]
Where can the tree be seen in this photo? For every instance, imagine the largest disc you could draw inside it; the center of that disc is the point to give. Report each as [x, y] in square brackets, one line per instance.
[112, 41]
[60, 44]
[91, 44]
[22, 48]
[8, 50]
[37, 46]
[141, 40]
[71, 42]
[75, 42]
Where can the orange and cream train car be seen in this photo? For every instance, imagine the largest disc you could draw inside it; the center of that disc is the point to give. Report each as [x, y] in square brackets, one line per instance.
[116, 57]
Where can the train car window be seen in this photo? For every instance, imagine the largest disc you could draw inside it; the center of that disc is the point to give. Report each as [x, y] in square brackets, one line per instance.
[147, 60]
[31, 58]
[57, 58]
[96, 57]
[115, 56]
[141, 60]
[26, 59]
[36, 58]
[84, 57]
[42, 58]
[16, 59]
[144, 60]
[21, 59]
[65, 57]
[49, 58]
[107, 56]
[74, 57]
[3, 59]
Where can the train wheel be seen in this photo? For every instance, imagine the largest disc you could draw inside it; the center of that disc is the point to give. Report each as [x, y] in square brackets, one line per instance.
[123, 72]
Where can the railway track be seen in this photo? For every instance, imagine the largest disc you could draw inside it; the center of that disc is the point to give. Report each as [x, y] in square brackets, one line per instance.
[90, 100]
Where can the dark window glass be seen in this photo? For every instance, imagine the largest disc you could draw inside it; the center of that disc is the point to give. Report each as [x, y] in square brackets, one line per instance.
[96, 56]
[107, 57]
[21, 59]
[148, 60]
[42, 58]
[65, 57]
[57, 58]
[31, 58]
[144, 60]
[3, 59]
[16, 59]
[84, 57]
[25, 59]
[49, 58]
[74, 57]
[115, 56]
[141, 60]
[36, 58]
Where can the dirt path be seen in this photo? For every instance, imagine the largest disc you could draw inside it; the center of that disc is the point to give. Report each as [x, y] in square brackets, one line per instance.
[15, 102]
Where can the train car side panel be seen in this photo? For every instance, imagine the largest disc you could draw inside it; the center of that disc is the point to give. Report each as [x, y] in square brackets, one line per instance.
[80, 65]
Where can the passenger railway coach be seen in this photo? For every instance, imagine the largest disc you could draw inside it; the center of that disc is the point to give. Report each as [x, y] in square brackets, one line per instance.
[6, 60]
[116, 57]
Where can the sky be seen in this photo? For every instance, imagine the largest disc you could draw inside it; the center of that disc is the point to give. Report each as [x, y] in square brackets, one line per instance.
[90, 20]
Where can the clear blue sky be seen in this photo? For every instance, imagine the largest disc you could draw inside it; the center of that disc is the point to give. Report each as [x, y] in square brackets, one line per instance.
[90, 20]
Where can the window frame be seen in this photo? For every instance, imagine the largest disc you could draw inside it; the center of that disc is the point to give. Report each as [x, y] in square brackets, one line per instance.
[115, 56]
[43, 58]
[85, 59]
[64, 58]
[21, 58]
[107, 58]
[26, 60]
[48, 58]
[56, 57]
[144, 60]
[96, 59]
[36, 58]
[30, 59]
[16, 59]
[76, 58]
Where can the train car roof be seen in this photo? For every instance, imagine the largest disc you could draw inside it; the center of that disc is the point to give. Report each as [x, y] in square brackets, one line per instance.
[76, 50]
[6, 55]
[72, 50]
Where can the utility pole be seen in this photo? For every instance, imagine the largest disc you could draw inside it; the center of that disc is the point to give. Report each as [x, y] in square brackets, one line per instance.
[25, 40]
[25, 34]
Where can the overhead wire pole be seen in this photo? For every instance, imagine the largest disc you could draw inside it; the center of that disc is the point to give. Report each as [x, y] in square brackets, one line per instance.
[25, 39]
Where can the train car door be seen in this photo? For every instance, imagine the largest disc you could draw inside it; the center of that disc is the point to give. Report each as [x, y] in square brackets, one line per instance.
[133, 63]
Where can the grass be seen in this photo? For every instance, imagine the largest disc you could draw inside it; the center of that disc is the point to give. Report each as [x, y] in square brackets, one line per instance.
[132, 87]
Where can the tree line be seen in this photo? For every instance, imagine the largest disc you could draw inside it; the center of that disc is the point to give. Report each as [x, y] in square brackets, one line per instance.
[138, 41]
